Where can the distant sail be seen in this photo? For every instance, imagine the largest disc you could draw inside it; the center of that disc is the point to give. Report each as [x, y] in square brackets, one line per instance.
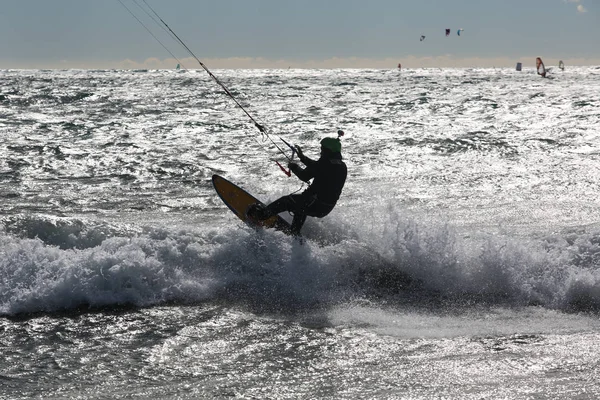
[519, 66]
[561, 65]
[459, 31]
[178, 66]
[422, 38]
[399, 66]
[539, 65]
[447, 31]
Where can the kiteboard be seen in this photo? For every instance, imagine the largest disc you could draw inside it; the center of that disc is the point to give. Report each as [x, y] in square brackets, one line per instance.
[238, 201]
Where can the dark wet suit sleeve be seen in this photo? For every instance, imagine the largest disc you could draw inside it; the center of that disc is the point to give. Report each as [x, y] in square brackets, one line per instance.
[305, 174]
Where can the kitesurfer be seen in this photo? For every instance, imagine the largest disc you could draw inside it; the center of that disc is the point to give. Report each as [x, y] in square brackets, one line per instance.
[328, 174]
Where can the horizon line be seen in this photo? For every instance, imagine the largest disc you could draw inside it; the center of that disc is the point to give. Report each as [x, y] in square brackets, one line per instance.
[280, 68]
[407, 62]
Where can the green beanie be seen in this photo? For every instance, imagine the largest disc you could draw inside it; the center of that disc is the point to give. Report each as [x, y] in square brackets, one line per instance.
[332, 144]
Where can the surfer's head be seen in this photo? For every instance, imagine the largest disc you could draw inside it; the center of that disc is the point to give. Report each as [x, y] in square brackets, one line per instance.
[331, 144]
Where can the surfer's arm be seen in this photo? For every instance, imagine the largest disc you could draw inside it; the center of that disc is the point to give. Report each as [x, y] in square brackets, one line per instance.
[309, 162]
[305, 174]
[305, 160]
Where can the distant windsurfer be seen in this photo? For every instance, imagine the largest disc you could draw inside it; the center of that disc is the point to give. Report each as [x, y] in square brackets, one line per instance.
[541, 69]
[328, 174]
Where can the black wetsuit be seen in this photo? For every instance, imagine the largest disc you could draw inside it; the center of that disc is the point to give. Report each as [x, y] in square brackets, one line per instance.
[328, 174]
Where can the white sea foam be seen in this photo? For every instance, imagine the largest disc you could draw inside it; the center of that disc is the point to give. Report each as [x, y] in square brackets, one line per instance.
[395, 259]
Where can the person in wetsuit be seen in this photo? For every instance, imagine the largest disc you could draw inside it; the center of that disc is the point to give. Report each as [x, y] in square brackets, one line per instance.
[328, 174]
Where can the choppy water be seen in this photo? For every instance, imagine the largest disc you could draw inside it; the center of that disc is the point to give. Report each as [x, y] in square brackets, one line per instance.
[462, 260]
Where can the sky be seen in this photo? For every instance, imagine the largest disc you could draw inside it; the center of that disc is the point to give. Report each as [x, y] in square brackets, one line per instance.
[299, 34]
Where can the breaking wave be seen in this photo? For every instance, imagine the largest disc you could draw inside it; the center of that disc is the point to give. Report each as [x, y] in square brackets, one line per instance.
[53, 264]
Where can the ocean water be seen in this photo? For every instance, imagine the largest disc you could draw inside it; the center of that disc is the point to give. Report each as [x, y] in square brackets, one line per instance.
[461, 262]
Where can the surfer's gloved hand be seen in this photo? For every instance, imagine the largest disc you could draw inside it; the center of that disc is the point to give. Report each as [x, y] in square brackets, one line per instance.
[299, 152]
[293, 167]
[260, 127]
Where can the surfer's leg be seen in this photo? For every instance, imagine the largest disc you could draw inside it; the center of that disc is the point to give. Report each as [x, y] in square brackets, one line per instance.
[258, 211]
[292, 202]
[261, 212]
[318, 209]
[296, 204]
[297, 222]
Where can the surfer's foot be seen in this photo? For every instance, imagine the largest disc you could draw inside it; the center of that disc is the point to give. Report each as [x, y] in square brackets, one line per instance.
[258, 212]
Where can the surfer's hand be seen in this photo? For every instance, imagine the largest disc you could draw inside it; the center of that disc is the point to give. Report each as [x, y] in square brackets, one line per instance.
[299, 152]
[260, 127]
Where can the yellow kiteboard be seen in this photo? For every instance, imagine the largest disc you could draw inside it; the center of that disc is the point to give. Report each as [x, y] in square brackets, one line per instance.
[238, 201]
